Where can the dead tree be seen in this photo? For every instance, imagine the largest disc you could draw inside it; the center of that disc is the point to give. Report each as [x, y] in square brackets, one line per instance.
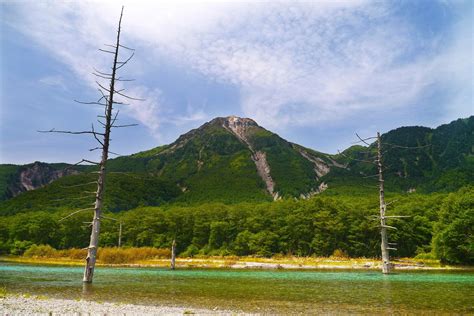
[377, 160]
[107, 100]
[386, 266]
[173, 254]
[119, 243]
[120, 234]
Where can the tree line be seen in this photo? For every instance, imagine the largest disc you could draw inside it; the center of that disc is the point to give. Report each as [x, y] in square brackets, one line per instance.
[440, 226]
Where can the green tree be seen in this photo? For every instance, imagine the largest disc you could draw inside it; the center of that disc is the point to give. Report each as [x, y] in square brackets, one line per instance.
[453, 241]
[218, 235]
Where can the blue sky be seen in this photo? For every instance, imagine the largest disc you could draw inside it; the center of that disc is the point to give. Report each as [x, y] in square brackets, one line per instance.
[313, 72]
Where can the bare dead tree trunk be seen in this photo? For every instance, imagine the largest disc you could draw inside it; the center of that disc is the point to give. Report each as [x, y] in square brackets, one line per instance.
[94, 240]
[386, 266]
[382, 217]
[120, 234]
[107, 101]
[173, 254]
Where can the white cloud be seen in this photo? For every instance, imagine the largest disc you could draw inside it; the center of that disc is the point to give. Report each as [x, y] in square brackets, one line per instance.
[147, 111]
[295, 63]
[298, 66]
[187, 118]
[54, 81]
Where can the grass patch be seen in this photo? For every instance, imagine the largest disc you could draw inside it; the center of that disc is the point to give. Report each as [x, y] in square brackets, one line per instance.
[130, 255]
[107, 255]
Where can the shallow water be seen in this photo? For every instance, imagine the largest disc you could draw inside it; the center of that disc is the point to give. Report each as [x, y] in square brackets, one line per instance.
[272, 291]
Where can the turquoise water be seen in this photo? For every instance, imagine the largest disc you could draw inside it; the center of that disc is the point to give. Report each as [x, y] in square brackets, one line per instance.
[273, 291]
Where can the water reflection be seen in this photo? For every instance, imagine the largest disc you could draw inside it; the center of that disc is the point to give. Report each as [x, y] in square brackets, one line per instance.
[87, 291]
[386, 289]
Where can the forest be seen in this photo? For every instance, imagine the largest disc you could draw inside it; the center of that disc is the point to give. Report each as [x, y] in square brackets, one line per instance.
[440, 225]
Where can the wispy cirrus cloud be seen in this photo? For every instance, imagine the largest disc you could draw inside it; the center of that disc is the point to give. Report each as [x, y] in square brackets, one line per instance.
[300, 64]
[54, 81]
[148, 110]
[294, 63]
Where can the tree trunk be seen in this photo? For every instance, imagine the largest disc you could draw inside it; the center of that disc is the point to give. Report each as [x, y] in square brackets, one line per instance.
[94, 240]
[386, 266]
[120, 234]
[173, 255]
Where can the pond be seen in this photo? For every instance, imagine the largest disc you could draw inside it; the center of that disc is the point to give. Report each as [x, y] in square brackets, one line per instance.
[269, 291]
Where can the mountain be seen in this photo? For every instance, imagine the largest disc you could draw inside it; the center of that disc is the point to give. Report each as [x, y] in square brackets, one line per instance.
[232, 159]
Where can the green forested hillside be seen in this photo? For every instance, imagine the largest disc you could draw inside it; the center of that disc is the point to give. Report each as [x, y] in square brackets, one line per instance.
[6, 174]
[208, 164]
[425, 159]
[124, 191]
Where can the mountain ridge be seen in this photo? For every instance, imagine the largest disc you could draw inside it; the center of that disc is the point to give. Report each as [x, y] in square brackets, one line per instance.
[232, 159]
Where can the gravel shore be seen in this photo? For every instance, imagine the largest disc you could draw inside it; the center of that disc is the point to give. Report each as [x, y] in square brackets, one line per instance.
[20, 305]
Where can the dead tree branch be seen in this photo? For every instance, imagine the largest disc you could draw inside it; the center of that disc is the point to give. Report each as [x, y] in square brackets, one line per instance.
[128, 97]
[71, 132]
[364, 140]
[79, 185]
[355, 159]
[74, 213]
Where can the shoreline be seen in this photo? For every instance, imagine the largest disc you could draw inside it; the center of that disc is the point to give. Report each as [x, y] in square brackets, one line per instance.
[27, 305]
[291, 263]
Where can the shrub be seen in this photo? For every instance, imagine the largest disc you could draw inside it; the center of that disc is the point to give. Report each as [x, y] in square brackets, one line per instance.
[425, 255]
[113, 255]
[338, 253]
[41, 251]
[19, 247]
[191, 251]
[129, 255]
[72, 253]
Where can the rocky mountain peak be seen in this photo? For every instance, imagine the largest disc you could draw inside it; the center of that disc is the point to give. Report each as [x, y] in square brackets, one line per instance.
[233, 122]
[238, 126]
[242, 121]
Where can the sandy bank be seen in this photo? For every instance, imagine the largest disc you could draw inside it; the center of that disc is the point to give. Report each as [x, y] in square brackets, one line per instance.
[20, 305]
[287, 263]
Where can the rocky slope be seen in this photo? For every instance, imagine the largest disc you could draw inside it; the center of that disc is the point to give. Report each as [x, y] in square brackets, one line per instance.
[240, 128]
[34, 176]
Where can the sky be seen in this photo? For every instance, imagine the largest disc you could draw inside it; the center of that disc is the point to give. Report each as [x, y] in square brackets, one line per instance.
[314, 72]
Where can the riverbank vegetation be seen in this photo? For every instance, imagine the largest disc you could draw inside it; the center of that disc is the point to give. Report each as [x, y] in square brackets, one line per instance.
[109, 255]
[440, 226]
[152, 257]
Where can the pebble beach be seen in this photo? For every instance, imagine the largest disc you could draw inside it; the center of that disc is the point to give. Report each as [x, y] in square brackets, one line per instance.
[21, 305]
